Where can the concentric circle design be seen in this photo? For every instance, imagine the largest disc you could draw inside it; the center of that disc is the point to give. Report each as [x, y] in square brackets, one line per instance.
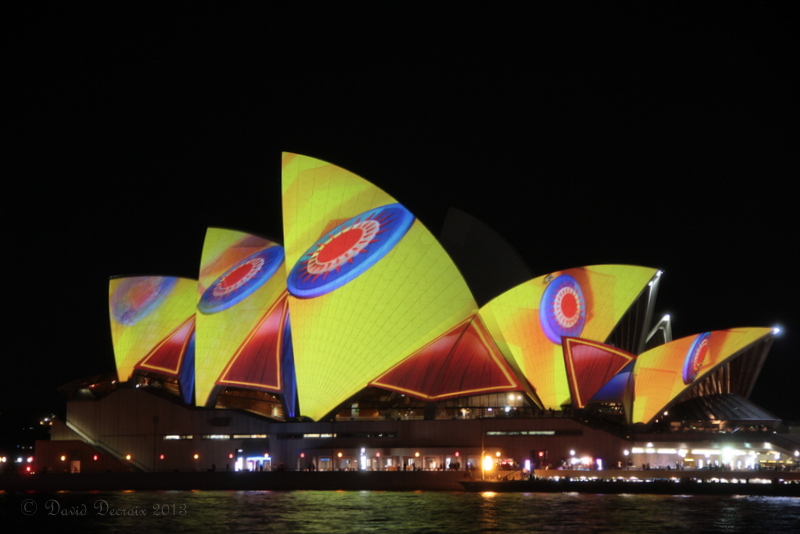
[695, 357]
[349, 250]
[135, 298]
[241, 280]
[562, 310]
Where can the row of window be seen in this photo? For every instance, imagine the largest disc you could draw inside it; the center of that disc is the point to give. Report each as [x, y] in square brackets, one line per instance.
[178, 437]
[568, 432]
[300, 435]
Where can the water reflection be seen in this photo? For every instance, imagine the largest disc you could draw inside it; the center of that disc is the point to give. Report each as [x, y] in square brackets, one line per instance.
[383, 512]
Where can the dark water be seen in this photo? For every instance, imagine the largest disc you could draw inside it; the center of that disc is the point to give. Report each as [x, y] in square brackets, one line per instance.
[389, 512]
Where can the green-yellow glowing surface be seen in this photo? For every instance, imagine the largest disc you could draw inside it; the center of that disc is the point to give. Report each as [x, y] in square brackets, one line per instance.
[220, 334]
[144, 311]
[348, 336]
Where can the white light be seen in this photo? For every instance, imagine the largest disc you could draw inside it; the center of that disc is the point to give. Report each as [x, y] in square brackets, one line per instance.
[706, 452]
[572, 452]
[665, 318]
[776, 330]
[727, 454]
[659, 273]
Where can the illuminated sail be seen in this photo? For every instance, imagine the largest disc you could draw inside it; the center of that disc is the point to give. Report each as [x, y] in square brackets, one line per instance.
[529, 321]
[240, 313]
[152, 324]
[368, 283]
[663, 373]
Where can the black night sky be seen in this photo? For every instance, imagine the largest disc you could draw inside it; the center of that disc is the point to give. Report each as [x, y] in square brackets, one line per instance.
[657, 136]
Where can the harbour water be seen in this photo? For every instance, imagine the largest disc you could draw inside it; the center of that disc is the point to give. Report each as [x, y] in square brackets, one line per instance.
[335, 512]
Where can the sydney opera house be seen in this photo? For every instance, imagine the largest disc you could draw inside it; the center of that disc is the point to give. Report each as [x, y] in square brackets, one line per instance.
[364, 342]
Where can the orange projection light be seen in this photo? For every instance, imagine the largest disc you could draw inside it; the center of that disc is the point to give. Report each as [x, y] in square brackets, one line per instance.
[529, 321]
[661, 374]
[463, 361]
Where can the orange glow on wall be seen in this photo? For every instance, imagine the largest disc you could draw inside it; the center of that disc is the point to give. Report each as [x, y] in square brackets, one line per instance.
[590, 365]
[461, 362]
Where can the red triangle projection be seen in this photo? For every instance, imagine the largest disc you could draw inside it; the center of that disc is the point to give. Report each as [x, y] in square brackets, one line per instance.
[463, 361]
[166, 357]
[590, 365]
[257, 363]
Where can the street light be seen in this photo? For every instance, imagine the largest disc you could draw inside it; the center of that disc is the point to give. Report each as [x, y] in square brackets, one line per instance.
[487, 463]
